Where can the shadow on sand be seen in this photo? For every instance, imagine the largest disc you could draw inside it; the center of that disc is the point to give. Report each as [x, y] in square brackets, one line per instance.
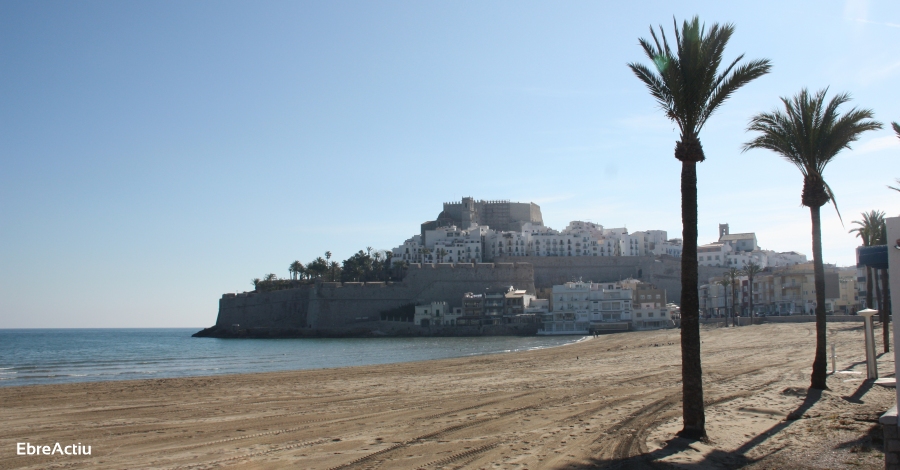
[715, 458]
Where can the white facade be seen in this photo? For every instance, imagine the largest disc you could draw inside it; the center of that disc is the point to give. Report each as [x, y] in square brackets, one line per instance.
[443, 245]
[651, 315]
[672, 247]
[436, 314]
[577, 305]
[740, 259]
[713, 254]
[478, 244]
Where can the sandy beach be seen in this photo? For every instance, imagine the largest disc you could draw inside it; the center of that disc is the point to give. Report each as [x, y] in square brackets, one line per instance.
[612, 401]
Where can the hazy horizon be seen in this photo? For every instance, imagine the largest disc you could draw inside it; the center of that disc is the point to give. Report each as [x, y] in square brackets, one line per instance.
[160, 154]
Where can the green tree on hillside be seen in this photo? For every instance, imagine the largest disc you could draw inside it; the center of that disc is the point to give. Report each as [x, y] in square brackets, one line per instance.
[295, 269]
[689, 87]
[809, 133]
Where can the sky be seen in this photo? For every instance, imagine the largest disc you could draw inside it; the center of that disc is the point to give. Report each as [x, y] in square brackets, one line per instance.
[155, 155]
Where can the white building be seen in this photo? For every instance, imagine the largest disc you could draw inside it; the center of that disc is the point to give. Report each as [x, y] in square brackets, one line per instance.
[443, 245]
[673, 247]
[713, 254]
[436, 314]
[576, 306]
[478, 243]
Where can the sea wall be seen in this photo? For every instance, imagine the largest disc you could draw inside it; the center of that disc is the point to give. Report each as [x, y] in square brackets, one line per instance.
[662, 271]
[333, 305]
[278, 309]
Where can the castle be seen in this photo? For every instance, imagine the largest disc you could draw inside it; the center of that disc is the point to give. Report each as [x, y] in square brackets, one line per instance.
[473, 245]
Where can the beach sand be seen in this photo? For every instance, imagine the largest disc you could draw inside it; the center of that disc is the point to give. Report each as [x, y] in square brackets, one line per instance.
[610, 401]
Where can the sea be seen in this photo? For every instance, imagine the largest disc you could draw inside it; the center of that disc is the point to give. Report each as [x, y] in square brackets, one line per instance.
[53, 356]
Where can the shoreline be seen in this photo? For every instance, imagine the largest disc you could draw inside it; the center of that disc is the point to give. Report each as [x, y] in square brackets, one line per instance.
[544, 408]
[195, 363]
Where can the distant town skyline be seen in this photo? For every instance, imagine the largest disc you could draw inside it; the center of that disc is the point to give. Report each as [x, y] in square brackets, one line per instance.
[159, 154]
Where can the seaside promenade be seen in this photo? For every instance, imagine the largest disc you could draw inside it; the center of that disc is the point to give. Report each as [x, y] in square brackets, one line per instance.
[610, 401]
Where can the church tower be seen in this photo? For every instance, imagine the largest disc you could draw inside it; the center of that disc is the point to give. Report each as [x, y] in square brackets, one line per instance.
[723, 230]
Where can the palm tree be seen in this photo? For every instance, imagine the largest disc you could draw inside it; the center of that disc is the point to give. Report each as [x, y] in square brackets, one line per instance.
[327, 262]
[295, 268]
[873, 231]
[896, 131]
[689, 87]
[733, 276]
[884, 297]
[809, 134]
[725, 282]
[255, 282]
[751, 271]
[866, 232]
[334, 267]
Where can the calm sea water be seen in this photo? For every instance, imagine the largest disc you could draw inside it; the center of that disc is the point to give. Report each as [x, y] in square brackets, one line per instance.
[47, 356]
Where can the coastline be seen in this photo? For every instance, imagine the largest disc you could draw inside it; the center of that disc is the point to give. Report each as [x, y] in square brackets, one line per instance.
[66, 356]
[613, 399]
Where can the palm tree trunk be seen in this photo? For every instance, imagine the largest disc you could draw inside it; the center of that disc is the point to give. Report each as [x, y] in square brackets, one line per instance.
[750, 285]
[734, 307]
[819, 363]
[885, 310]
[691, 370]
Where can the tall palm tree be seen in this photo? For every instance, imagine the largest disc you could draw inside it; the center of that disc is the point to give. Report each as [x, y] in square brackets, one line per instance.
[328, 263]
[809, 133]
[725, 283]
[334, 267]
[731, 278]
[295, 268]
[689, 88]
[866, 232]
[896, 131]
[751, 271]
[884, 298]
[873, 231]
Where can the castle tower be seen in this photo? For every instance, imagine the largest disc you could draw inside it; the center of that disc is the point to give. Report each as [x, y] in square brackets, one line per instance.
[469, 216]
[723, 230]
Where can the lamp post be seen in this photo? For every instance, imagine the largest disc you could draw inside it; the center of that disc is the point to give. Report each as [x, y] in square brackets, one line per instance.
[871, 364]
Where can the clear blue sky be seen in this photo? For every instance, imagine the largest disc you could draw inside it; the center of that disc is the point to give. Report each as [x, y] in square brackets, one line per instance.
[154, 155]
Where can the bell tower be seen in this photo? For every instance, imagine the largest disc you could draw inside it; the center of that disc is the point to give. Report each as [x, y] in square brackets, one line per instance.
[723, 230]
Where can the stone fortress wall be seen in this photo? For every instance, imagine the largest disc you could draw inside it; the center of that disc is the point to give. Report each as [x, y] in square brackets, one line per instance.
[498, 215]
[332, 305]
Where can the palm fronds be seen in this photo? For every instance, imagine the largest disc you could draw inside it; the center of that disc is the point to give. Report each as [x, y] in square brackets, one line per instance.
[687, 83]
[810, 133]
